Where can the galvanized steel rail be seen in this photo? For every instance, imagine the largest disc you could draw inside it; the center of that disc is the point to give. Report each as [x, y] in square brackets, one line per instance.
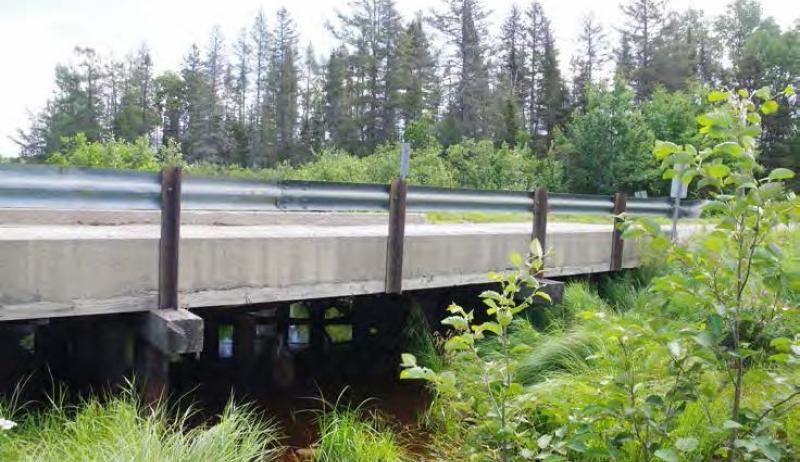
[73, 188]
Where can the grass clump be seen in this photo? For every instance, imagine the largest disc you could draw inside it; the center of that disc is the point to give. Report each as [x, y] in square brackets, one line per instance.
[349, 435]
[120, 429]
[420, 339]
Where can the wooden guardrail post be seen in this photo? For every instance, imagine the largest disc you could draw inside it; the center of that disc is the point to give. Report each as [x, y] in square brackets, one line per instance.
[620, 204]
[397, 226]
[394, 243]
[154, 362]
[170, 238]
[540, 216]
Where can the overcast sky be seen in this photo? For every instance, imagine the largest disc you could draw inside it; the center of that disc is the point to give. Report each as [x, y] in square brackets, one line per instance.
[35, 35]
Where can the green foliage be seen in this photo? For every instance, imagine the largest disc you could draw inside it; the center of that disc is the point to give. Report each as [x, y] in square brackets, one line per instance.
[356, 436]
[492, 405]
[469, 165]
[420, 340]
[119, 428]
[605, 149]
[739, 281]
[81, 152]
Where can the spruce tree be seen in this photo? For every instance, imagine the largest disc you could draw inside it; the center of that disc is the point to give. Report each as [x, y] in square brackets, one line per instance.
[463, 22]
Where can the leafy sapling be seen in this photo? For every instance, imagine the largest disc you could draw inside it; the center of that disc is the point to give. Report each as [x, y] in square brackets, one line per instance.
[734, 275]
[494, 408]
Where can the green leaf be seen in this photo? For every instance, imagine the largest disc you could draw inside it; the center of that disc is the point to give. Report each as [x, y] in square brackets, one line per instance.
[490, 326]
[633, 231]
[407, 360]
[717, 95]
[730, 425]
[515, 258]
[686, 444]
[536, 248]
[664, 148]
[668, 455]
[729, 147]
[544, 296]
[769, 107]
[718, 170]
[417, 373]
[780, 344]
[762, 93]
[770, 450]
[457, 322]
[544, 441]
[789, 90]
[780, 174]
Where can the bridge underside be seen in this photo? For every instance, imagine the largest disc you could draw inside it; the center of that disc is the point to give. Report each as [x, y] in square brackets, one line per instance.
[75, 270]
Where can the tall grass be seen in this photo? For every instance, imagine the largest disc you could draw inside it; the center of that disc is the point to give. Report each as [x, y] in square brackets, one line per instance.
[354, 436]
[419, 339]
[120, 429]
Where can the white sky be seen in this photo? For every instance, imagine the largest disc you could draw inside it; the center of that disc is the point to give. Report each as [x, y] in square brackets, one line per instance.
[35, 35]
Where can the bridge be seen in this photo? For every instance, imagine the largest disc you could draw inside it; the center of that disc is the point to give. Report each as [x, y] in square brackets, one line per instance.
[81, 242]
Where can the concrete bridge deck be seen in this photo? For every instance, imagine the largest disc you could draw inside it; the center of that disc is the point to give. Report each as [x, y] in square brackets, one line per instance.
[73, 270]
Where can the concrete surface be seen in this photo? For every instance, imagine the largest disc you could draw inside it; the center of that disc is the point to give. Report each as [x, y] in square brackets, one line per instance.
[63, 270]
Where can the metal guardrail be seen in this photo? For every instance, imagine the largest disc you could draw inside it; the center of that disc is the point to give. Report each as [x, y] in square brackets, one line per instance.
[41, 186]
[48, 187]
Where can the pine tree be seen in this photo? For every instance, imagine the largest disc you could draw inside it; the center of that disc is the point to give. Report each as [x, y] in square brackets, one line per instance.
[463, 24]
[170, 101]
[645, 19]
[537, 28]
[196, 100]
[312, 132]
[511, 82]
[734, 28]
[340, 125]
[370, 30]
[415, 76]
[588, 63]
[281, 91]
[136, 114]
[260, 43]
[552, 97]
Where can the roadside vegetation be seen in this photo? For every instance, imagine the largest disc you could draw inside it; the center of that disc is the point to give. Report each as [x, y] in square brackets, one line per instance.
[693, 358]
[695, 361]
[116, 428]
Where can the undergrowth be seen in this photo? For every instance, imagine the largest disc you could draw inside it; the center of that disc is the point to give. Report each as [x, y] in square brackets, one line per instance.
[119, 428]
[353, 435]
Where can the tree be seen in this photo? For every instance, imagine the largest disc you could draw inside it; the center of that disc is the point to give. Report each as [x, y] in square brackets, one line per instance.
[260, 38]
[463, 24]
[644, 21]
[312, 131]
[196, 96]
[553, 95]
[170, 101]
[282, 91]
[415, 81]
[512, 50]
[340, 125]
[606, 149]
[770, 58]
[734, 27]
[370, 31]
[136, 114]
[537, 29]
[588, 63]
